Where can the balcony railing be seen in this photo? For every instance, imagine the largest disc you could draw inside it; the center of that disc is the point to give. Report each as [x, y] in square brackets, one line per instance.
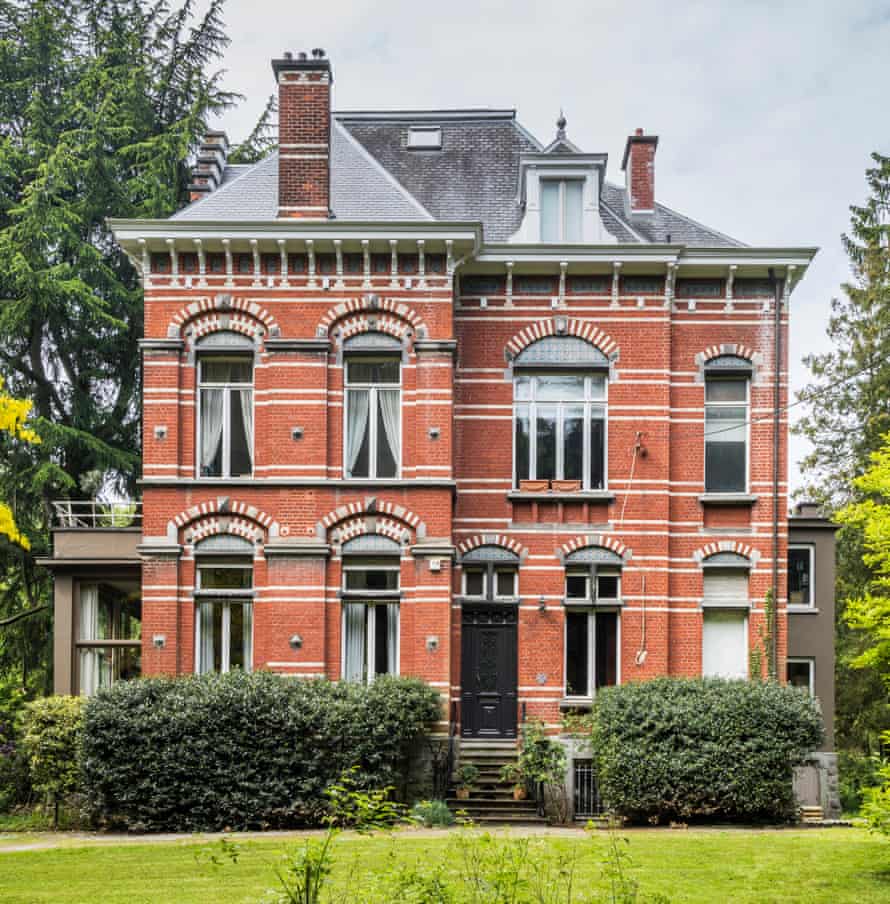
[89, 514]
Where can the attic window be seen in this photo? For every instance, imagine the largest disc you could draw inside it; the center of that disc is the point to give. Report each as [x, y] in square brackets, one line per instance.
[425, 137]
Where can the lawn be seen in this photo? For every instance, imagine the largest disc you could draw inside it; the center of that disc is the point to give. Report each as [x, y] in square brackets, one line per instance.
[695, 865]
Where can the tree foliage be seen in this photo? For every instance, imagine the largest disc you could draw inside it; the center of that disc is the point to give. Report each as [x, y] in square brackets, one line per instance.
[103, 102]
[13, 414]
[848, 415]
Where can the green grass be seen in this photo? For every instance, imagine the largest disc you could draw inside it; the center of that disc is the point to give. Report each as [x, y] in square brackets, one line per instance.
[733, 865]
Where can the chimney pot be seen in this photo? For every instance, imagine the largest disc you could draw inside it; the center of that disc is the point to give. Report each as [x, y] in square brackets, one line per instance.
[639, 132]
[288, 55]
[302, 55]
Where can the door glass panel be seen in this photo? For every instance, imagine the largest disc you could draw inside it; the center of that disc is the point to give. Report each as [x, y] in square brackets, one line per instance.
[474, 582]
[577, 654]
[506, 583]
[546, 437]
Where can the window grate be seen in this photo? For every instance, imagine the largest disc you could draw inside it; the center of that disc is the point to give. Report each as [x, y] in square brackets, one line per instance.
[587, 803]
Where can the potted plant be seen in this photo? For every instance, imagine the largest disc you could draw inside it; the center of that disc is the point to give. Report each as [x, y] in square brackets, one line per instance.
[566, 486]
[467, 775]
[512, 774]
[534, 486]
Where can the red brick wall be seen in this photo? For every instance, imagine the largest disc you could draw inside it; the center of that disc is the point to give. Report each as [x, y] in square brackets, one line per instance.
[655, 390]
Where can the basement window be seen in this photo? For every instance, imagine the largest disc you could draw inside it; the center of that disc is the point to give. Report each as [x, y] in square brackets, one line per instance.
[425, 137]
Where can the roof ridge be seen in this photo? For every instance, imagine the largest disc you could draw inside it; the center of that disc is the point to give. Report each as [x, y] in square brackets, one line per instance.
[248, 168]
[381, 169]
[504, 113]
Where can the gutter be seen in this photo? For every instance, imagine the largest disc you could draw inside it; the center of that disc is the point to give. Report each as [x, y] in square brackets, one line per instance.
[778, 287]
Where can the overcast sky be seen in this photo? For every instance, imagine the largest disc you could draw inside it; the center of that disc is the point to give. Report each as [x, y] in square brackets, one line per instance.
[766, 111]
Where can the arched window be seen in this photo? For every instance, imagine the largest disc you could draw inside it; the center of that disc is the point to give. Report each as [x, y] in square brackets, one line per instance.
[490, 573]
[224, 609]
[592, 603]
[559, 411]
[370, 598]
[372, 433]
[225, 405]
[727, 381]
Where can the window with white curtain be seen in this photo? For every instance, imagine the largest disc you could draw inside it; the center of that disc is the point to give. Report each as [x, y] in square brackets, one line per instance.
[373, 431]
[562, 210]
[725, 643]
[108, 638]
[225, 416]
[370, 618]
[560, 428]
[224, 616]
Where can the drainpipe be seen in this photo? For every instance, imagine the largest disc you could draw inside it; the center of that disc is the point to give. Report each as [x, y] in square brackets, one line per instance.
[778, 289]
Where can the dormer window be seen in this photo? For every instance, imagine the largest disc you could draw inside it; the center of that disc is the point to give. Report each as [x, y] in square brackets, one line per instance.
[562, 208]
[425, 137]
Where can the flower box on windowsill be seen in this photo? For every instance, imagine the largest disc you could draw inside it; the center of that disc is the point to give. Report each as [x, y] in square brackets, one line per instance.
[565, 486]
[534, 486]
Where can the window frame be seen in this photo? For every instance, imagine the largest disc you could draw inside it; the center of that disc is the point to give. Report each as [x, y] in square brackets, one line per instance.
[715, 377]
[224, 597]
[373, 413]
[112, 645]
[226, 389]
[745, 616]
[562, 208]
[416, 131]
[586, 403]
[490, 571]
[810, 661]
[590, 612]
[592, 572]
[803, 607]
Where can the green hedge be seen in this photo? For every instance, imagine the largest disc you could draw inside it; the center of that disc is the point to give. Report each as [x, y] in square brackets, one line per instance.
[701, 748]
[242, 751]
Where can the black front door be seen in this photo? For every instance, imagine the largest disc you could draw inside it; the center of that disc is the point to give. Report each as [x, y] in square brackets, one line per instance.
[488, 671]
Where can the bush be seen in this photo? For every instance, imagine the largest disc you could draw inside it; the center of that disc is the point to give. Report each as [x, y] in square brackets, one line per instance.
[242, 751]
[692, 748]
[432, 813]
[856, 773]
[50, 742]
[15, 786]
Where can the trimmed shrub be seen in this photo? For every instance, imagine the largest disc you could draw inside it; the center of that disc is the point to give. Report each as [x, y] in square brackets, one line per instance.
[432, 814]
[701, 748]
[15, 784]
[243, 750]
[50, 743]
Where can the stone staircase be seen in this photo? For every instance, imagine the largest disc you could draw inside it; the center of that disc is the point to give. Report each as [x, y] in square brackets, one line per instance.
[491, 800]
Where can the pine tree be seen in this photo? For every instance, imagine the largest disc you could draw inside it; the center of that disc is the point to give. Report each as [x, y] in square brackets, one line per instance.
[103, 102]
[848, 416]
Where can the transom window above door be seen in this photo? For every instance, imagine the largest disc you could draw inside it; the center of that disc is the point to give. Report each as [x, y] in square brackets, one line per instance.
[490, 573]
[562, 210]
[373, 429]
[225, 416]
[560, 428]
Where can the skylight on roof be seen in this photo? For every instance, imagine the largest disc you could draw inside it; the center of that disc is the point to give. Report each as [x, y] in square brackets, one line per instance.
[425, 137]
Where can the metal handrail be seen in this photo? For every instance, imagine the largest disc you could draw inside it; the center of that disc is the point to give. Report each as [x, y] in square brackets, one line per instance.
[86, 514]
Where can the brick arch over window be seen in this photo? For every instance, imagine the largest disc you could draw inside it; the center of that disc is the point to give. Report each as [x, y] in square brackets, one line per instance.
[562, 326]
[367, 313]
[501, 540]
[370, 524]
[733, 546]
[602, 540]
[370, 511]
[223, 312]
[733, 349]
[219, 516]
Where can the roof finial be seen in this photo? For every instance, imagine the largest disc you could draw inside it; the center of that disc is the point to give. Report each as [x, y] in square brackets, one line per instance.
[561, 125]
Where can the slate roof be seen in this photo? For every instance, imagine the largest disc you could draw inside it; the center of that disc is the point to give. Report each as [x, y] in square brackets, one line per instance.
[474, 176]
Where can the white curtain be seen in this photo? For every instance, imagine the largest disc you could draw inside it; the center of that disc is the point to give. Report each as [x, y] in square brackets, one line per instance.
[247, 419]
[354, 646]
[88, 629]
[211, 425]
[392, 638]
[389, 408]
[247, 616]
[205, 637]
[356, 425]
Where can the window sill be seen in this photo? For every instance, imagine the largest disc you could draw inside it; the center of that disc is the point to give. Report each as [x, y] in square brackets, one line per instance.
[793, 609]
[557, 496]
[483, 601]
[576, 703]
[727, 499]
[727, 604]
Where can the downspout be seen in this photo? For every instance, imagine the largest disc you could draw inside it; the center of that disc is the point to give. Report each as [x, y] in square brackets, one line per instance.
[778, 289]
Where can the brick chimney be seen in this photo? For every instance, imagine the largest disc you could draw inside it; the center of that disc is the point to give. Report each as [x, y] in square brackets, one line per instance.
[209, 166]
[639, 168]
[304, 134]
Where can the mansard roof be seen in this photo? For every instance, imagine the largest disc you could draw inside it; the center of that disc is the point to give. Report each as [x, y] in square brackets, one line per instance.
[473, 177]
